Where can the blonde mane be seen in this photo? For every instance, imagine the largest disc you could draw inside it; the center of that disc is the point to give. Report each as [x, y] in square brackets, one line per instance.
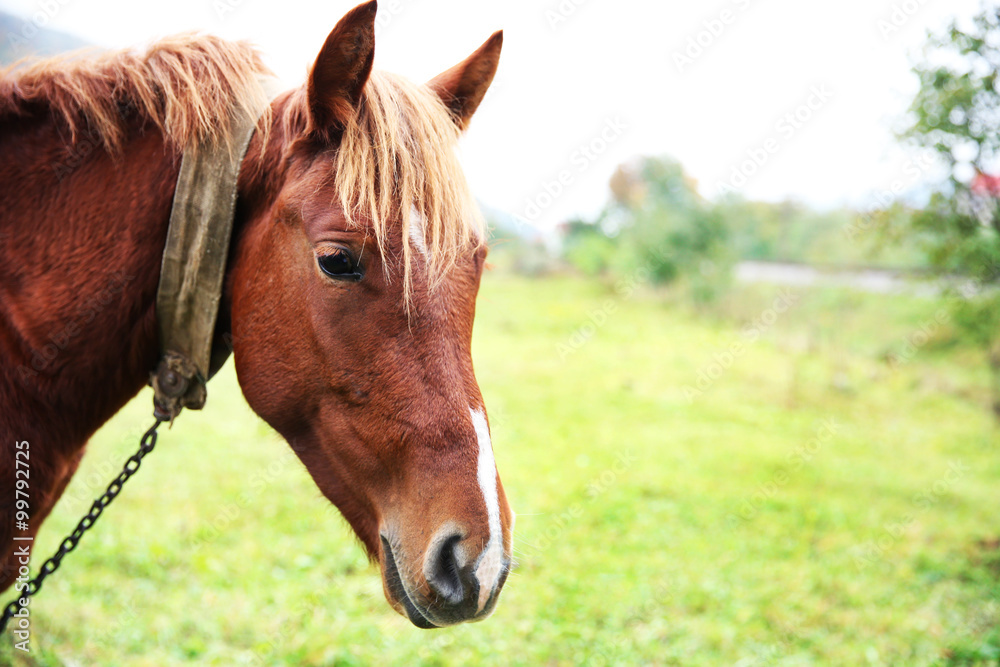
[397, 156]
[397, 159]
[179, 84]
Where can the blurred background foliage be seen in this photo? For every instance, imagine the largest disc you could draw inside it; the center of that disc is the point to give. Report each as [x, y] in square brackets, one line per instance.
[655, 411]
[656, 214]
[657, 221]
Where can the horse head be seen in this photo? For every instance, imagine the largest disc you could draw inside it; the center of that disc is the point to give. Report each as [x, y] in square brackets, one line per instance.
[353, 289]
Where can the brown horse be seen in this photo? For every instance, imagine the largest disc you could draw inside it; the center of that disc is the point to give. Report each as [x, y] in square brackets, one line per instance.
[350, 289]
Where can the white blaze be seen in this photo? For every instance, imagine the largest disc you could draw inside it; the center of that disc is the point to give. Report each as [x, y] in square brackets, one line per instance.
[491, 560]
[417, 225]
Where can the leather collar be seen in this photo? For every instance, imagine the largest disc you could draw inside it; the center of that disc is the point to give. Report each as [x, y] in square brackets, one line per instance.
[194, 266]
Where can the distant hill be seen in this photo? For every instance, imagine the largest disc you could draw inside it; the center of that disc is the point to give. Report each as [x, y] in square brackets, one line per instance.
[43, 42]
[506, 225]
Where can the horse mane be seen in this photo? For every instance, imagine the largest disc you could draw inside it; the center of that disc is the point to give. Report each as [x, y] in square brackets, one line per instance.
[397, 156]
[397, 160]
[179, 84]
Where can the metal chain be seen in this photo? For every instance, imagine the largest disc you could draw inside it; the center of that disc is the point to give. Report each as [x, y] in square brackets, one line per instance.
[86, 523]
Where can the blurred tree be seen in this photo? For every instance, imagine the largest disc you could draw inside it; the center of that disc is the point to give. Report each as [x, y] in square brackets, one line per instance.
[515, 246]
[588, 247]
[957, 113]
[627, 188]
[667, 229]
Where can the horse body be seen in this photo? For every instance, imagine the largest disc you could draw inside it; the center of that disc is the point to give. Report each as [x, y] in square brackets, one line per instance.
[350, 289]
[77, 290]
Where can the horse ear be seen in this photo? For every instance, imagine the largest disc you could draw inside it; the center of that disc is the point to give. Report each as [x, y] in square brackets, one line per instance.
[463, 86]
[341, 70]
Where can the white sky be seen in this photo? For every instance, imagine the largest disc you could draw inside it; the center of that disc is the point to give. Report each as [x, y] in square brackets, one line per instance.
[560, 84]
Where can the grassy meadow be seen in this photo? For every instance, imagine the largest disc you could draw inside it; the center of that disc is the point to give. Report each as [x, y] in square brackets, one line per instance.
[793, 477]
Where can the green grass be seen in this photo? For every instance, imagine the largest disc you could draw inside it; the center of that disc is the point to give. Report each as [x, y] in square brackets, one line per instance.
[656, 525]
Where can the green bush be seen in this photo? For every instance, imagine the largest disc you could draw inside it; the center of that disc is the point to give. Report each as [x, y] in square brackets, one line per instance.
[659, 224]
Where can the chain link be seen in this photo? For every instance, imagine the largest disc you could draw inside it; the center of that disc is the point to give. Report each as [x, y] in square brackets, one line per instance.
[86, 523]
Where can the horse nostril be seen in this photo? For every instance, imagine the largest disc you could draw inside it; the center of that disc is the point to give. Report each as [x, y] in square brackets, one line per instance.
[443, 572]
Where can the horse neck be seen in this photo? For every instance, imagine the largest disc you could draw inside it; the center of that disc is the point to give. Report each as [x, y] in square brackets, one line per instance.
[81, 236]
[262, 175]
[264, 166]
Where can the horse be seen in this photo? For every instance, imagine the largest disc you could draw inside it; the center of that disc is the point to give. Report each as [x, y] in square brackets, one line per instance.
[349, 295]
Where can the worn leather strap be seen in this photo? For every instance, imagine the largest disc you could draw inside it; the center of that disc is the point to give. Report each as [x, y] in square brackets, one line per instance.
[194, 265]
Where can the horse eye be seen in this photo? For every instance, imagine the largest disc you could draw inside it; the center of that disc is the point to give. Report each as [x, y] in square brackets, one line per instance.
[338, 264]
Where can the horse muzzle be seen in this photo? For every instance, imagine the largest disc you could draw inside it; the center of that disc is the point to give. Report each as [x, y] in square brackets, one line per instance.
[449, 586]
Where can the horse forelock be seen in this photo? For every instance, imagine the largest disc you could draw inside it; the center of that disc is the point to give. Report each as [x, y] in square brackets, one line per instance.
[398, 172]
